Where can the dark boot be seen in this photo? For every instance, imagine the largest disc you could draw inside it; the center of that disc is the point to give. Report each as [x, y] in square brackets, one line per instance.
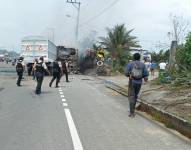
[50, 84]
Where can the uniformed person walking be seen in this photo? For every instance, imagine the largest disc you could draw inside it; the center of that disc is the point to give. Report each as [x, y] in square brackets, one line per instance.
[20, 67]
[65, 69]
[40, 68]
[56, 73]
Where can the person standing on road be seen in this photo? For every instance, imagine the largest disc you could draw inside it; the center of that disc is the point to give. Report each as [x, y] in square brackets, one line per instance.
[162, 66]
[153, 67]
[20, 67]
[33, 69]
[147, 64]
[56, 73]
[65, 69]
[40, 68]
[136, 71]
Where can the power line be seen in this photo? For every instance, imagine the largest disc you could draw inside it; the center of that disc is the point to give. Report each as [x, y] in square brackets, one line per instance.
[100, 13]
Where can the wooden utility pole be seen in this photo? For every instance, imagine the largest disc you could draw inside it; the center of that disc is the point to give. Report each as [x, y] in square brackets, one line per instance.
[172, 59]
[74, 2]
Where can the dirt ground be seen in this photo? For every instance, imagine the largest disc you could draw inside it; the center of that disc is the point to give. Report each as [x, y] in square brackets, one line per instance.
[173, 100]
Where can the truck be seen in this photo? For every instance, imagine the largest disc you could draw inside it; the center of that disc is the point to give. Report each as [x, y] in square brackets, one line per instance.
[34, 47]
[69, 54]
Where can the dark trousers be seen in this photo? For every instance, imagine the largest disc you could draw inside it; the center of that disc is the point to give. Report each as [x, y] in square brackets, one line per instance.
[20, 76]
[66, 75]
[39, 84]
[57, 77]
[133, 92]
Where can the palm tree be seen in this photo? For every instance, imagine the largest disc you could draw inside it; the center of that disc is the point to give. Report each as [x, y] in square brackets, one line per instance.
[118, 42]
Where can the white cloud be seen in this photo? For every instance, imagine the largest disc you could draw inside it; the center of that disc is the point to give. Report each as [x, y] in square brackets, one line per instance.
[149, 18]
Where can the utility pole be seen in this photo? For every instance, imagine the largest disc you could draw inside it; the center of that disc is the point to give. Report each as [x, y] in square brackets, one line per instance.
[51, 34]
[77, 6]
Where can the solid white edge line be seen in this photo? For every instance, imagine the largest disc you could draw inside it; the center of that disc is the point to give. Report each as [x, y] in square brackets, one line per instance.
[73, 131]
[65, 104]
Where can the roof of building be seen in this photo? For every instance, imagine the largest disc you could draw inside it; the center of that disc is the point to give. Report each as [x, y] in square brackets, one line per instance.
[32, 38]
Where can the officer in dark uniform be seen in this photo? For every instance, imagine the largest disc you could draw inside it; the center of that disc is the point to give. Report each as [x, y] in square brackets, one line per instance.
[65, 69]
[56, 73]
[20, 67]
[40, 68]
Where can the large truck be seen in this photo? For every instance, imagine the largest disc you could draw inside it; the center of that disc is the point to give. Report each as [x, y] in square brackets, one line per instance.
[69, 54]
[33, 47]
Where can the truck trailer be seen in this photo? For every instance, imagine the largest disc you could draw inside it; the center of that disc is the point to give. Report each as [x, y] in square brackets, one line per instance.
[34, 47]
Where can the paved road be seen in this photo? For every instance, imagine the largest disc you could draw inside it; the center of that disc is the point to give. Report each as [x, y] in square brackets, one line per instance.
[81, 115]
[7, 69]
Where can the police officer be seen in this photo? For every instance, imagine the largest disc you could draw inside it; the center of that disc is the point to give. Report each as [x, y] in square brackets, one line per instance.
[65, 68]
[20, 67]
[56, 73]
[40, 68]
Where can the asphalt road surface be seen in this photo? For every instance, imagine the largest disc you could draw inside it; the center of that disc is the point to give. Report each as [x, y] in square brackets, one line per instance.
[80, 115]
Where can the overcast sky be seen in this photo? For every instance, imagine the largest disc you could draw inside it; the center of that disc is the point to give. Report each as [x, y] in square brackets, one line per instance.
[149, 19]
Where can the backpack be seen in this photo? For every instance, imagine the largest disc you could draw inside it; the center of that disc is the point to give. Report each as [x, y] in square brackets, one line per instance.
[137, 72]
[56, 68]
[39, 68]
[19, 67]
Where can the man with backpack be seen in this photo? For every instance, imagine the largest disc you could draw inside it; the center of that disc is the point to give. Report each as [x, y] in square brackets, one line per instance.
[56, 73]
[40, 68]
[136, 71]
[20, 67]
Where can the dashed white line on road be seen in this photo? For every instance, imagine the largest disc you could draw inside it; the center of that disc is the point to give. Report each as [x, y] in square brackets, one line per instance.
[63, 100]
[60, 90]
[62, 95]
[65, 104]
[73, 131]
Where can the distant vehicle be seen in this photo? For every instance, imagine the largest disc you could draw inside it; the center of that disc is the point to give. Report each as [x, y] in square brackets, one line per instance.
[34, 47]
[2, 56]
[7, 58]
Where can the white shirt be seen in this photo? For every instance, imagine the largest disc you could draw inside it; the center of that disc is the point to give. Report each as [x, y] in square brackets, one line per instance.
[60, 64]
[162, 65]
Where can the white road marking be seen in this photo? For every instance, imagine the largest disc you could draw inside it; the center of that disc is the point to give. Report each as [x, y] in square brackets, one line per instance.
[60, 90]
[62, 95]
[73, 131]
[65, 104]
[63, 100]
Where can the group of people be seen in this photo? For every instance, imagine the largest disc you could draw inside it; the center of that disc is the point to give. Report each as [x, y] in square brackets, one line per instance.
[152, 66]
[135, 70]
[39, 69]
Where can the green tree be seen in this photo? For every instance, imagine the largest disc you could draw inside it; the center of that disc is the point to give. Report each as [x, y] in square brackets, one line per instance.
[184, 55]
[118, 42]
[160, 56]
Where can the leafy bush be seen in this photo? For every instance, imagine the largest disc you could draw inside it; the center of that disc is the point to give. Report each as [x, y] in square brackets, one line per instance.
[183, 58]
[164, 77]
